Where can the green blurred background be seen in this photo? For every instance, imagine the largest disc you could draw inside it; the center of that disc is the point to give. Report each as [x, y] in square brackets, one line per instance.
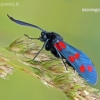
[80, 29]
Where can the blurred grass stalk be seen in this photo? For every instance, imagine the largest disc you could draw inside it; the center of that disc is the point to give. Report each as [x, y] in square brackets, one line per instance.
[46, 68]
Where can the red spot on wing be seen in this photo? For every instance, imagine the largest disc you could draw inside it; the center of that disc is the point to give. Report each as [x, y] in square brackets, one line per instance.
[82, 68]
[77, 55]
[72, 59]
[60, 45]
[90, 68]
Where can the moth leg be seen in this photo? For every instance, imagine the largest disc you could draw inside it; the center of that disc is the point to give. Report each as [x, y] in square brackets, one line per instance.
[64, 63]
[40, 49]
[61, 59]
[30, 37]
[70, 65]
